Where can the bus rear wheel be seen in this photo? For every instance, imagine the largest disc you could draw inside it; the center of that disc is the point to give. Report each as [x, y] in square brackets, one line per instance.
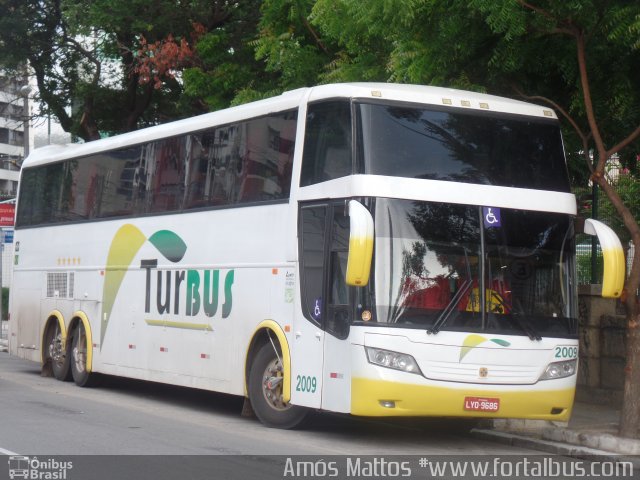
[266, 392]
[58, 353]
[81, 376]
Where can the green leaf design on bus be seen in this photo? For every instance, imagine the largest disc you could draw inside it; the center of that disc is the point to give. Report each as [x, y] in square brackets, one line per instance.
[125, 245]
[169, 244]
[502, 343]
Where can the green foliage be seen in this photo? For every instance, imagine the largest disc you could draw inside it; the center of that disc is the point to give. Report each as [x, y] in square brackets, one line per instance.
[84, 56]
[628, 187]
[288, 44]
[254, 48]
[226, 60]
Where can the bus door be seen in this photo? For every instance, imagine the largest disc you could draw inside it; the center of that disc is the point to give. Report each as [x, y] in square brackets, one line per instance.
[320, 375]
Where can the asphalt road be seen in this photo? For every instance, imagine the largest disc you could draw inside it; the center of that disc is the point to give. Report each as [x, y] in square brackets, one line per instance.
[161, 428]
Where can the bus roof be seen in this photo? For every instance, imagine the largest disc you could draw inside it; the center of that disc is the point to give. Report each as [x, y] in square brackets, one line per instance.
[419, 94]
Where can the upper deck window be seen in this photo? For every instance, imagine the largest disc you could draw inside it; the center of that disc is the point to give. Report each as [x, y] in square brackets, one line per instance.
[327, 143]
[244, 163]
[461, 146]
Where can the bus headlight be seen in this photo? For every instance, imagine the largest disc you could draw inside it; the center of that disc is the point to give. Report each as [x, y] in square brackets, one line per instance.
[395, 360]
[560, 370]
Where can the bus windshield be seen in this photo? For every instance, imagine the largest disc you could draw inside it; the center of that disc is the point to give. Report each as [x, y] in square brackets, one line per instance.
[457, 145]
[459, 267]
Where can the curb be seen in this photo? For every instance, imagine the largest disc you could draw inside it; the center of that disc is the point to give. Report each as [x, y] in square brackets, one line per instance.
[597, 441]
[553, 447]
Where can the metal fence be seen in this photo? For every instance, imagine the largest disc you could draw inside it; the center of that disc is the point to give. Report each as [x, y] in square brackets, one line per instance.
[594, 204]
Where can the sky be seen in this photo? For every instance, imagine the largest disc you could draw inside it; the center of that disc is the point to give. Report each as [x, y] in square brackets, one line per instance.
[41, 133]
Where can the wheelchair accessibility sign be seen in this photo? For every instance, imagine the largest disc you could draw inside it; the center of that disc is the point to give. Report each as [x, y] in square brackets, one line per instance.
[491, 216]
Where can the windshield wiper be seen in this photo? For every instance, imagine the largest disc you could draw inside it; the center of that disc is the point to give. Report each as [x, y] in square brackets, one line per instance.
[446, 313]
[523, 323]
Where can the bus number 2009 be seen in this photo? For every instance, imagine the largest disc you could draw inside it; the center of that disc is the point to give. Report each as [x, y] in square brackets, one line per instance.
[306, 384]
[566, 352]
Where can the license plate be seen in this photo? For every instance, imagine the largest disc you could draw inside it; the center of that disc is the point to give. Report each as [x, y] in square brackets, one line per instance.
[481, 404]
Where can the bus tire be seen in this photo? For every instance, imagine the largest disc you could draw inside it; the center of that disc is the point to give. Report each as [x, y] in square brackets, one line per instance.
[57, 353]
[78, 355]
[267, 402]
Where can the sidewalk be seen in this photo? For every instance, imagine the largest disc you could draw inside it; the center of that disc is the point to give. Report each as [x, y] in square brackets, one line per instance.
[592, 431]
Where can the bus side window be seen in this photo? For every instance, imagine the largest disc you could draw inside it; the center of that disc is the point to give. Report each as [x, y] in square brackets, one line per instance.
[168, 177]
[327, 144]
[339, 310]
[243, 162]
[312, 234]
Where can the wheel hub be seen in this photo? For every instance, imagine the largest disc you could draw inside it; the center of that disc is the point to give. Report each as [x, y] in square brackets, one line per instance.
[272, 382]
[56, 352]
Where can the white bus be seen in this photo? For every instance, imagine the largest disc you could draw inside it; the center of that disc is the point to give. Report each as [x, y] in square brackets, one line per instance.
[371, 249]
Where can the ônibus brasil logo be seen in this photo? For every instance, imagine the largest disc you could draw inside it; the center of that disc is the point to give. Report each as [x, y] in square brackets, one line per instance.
[200, 290]
[30, 468]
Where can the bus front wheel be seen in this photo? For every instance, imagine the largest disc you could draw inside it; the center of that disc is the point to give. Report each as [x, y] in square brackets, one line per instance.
[81, 376]
[266, 391]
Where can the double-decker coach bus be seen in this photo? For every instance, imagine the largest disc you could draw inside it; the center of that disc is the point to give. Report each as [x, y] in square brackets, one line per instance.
[371, 249]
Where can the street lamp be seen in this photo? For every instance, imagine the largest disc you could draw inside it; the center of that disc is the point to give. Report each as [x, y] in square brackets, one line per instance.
[24, 92]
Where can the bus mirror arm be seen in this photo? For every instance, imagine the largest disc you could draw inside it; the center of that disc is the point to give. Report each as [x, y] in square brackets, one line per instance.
[613, 257]
[360, 245]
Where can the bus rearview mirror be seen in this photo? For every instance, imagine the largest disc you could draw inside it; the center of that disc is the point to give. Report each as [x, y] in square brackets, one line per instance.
[613, 257]
[360, 245]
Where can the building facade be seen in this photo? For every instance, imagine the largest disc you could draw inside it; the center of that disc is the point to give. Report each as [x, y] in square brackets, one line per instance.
[16, 140]
[15, 135]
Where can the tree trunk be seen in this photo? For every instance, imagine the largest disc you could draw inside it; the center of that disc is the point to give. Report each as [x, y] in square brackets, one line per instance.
[630, 415]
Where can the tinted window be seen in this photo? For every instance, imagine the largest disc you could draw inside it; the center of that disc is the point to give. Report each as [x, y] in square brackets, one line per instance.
[247, 162]
[327, 144]
[166, 165]
[339, 307]
[40, 190]
[461, 146]
[313, 228]
[324, 246]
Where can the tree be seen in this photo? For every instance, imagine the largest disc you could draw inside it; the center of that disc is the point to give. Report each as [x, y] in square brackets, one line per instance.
[287, 46]
[227, 71]
[582, 57]
[601, 109]
[88, 57]
[259, 56]
[107, 66]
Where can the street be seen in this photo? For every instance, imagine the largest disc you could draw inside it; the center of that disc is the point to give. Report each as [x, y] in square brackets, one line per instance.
[140, 430]
[42, 416]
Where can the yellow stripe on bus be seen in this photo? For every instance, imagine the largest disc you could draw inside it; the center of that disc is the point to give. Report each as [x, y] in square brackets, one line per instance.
[285, 352]
[183, 325]
[63, 331]
[369, 397]
[87, 331]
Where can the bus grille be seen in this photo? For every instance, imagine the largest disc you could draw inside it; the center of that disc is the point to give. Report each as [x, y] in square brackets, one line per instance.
[482, 373]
